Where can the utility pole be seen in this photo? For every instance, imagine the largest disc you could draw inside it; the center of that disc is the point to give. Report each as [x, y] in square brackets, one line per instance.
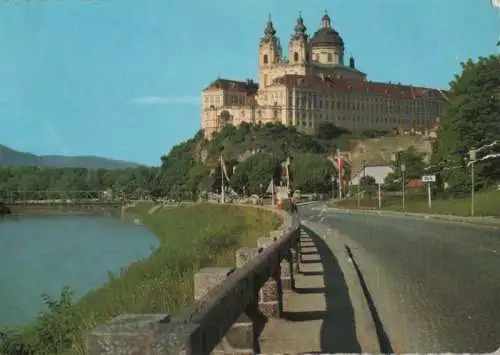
[379, 195]
[403, 170]
[429, 194]
[472, 157]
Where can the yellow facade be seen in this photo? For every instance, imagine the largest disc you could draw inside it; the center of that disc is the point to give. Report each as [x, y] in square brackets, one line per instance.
[312, 85]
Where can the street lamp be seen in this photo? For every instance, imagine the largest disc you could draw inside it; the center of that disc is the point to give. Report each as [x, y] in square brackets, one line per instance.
[403, 170]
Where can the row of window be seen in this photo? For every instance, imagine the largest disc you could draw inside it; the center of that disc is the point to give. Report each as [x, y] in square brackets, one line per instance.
[355, 101]
[365, 122]
[378, 119]
[230, 100]
[387, 107]
[296, 57]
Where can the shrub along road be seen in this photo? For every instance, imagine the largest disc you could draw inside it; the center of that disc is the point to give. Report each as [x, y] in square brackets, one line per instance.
[435, 285]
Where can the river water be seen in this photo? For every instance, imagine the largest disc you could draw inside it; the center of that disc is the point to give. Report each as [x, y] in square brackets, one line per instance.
[44, 254]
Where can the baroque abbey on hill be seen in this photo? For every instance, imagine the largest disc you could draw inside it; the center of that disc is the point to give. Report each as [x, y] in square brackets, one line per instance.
[314, 85]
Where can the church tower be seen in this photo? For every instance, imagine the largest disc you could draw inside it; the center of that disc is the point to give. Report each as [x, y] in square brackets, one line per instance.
[298, 48]
[269, 54]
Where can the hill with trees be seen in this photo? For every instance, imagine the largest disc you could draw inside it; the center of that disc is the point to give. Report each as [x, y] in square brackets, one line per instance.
[252, 153]
[11, 157]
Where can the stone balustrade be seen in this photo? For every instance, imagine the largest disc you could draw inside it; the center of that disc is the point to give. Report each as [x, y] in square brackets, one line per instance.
[231, 305]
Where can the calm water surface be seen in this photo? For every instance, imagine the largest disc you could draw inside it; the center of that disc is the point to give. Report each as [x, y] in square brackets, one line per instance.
[43, 254]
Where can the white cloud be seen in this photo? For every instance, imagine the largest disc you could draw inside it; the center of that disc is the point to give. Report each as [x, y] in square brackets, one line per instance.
[167, 100]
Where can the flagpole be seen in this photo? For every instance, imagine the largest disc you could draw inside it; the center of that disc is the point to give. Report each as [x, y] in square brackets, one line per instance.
[339, 168]
[222, 180]
[496, 5]
[498, 43]
[288, 174]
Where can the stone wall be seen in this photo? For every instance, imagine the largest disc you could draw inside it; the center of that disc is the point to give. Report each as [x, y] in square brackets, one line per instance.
[231, 305]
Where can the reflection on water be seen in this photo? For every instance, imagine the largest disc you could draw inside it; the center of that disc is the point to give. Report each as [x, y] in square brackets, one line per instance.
[43, 254]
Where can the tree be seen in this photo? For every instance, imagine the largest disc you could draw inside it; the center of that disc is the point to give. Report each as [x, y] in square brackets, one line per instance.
[312, 173]
[471, 119]
[329, 131]
[368, 184]
[415, 168]
[256, 171]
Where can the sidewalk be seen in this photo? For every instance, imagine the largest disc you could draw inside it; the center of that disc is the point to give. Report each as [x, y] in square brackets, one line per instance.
[326, 313]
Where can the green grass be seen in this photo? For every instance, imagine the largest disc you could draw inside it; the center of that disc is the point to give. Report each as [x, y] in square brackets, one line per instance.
[486, 203]
[190, 238]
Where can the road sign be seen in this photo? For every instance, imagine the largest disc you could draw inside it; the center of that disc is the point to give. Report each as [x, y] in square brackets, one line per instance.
[429, 178]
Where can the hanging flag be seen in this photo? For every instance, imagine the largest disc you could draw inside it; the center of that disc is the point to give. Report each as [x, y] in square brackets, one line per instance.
[270, 187]
[223, 168]
[340, 167]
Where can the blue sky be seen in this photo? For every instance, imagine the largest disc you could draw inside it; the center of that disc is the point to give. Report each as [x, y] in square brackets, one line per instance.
[122, 78]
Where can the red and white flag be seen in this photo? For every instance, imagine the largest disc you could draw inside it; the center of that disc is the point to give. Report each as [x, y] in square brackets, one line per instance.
[340, 167]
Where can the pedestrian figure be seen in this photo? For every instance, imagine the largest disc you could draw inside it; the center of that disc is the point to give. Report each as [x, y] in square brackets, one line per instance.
[292, 202]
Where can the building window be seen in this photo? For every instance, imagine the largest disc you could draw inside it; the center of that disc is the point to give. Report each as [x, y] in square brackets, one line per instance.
[330, 57]
[295, 57]
[265, 59]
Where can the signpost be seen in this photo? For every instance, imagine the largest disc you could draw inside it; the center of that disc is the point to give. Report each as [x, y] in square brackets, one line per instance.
[429, 179]
[403, 169]
[379, 182]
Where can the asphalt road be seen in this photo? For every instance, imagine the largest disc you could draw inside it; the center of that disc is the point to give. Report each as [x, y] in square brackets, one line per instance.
[435, 284]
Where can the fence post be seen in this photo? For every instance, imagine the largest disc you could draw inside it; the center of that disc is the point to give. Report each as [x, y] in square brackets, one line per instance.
[270, 295]
[240, 338]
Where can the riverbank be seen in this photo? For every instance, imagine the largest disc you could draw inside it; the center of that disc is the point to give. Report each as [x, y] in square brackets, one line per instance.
[63, 210]
[190, 237]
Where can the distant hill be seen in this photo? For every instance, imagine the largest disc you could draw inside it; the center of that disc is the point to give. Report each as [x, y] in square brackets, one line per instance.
[11, 157]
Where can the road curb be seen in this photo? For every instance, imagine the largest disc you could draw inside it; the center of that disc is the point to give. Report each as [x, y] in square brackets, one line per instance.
[306, 203]
[366, 331]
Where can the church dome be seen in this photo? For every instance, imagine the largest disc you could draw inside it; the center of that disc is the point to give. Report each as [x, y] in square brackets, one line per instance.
[327, 37]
